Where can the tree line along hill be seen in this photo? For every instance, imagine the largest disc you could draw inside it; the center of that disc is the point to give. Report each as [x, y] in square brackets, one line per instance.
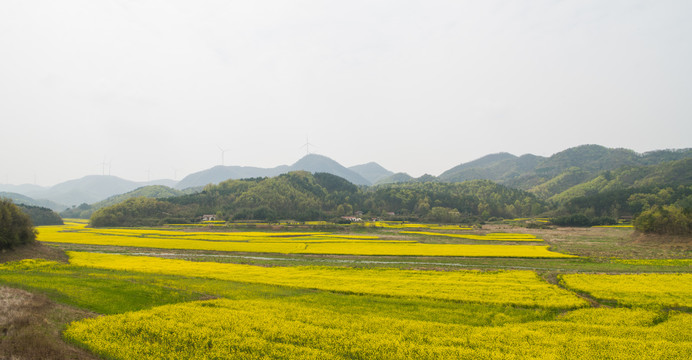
[303, 196]
[15, 226]
[581, 185]
[544, 176]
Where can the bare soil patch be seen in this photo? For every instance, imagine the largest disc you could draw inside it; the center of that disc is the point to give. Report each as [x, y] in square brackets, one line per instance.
[664, 240]
[597, 242]
[30, 327]
[34, 250]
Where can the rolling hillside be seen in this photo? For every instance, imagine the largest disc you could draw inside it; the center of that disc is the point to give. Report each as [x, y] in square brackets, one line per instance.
[89, 189]
[371, 171]
[25, 200]
[551, 177]
[84, 211]
[547, 177]
[312, 162]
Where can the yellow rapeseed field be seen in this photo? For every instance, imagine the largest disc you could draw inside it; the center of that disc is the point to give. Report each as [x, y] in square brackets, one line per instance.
[402, 225]
[271, 329]
[655, 262]
[448, 227]
[614, 226]
[316, 312]
[283, 243]
[502, 287]
[647, 290]
[491, 236]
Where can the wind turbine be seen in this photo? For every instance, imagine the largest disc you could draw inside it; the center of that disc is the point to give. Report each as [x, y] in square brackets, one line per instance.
[307, 146]
[223, 152]
[103, 167]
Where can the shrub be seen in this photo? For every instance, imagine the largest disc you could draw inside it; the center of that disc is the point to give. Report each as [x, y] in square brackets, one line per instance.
[15, 226]
[41, 216]
[667, 219]
[139, 211]
[537, 225]
[581, 220]
[444, 215]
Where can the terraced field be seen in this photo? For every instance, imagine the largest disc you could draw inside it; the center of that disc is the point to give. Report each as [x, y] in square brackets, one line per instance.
[292, 243]
[351, 295]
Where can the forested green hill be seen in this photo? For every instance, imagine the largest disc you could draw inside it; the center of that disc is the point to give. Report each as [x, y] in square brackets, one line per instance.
[301, 195]
[629, 190]
[41, 215]
[588, 180]
[84, 211]
[26, 200]
[547, 177]
[667, 174]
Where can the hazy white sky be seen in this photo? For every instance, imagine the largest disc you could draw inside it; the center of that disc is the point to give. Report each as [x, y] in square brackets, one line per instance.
[156, 86]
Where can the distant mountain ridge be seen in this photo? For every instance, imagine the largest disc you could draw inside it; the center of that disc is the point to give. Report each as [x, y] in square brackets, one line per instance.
[25, 200]
[84, 211]
[496, 167]
[544, 176]
[312, 162]
[400, 178]
[668, 174]
[21, 189]
[220, 173]
[89, 189]
[371, 171]
[530, 171]
[321, 164]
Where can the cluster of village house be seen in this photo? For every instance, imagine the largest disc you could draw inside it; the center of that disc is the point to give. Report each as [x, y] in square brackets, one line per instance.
[349, 218]
[360, 213]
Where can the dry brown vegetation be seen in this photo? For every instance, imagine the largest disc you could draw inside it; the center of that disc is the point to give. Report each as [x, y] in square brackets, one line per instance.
[34, 250]
[31, 324]
[30, 327]
[624, 243]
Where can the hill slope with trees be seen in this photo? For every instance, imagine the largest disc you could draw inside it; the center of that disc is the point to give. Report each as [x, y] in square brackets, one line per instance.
[312, 162]
[629, 190]
[549, 176]
[84, 211]
[591, 181]
[41, 216]
[302, 196]
[26, 200]
[15, 226]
